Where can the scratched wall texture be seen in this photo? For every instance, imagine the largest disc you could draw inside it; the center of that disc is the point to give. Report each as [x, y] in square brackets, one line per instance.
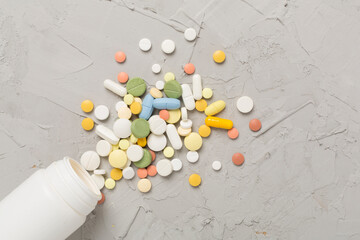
[298, 60]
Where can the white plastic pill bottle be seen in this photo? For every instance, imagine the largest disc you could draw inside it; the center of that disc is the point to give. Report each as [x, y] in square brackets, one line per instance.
[50, 205]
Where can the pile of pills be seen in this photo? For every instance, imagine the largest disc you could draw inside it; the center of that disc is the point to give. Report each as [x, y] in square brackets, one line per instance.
[153, 122]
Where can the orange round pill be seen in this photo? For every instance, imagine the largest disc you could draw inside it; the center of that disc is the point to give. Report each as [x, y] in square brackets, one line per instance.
[120, 57]
[189, 68]
[142, 173]
[233, 133]
[153, 155]
[238, 159]
[151, 170]
[164, 114]
[87, 124]
[141, 142]
[135, 108]
[102, 200]
[123, 77]
[204, 131]
[201, 105]
[255, 125]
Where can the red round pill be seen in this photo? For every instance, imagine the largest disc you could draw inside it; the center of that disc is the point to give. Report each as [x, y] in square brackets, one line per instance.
[120, 57]
[189, 68]
[233, 133]
[238, 159]
[151, 170]
[255, 125]
[142, 173]
[122, 77]
[102, 200]
[164, 114]
[153, 155]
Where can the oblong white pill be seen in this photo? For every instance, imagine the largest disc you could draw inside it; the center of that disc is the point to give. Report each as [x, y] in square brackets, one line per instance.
[135, 153]
[216, 165]
[115, 88]
[197, 87]
[173, 136]
[106, 134]
[156, 142]
[128, 173]
[184, 115]
[101, 112]
[90, 160]
[156, 68]
[244, 104]
[122, 128]
[119, 105]
[103, 148]
[192, 156]
[164, 167]
[145, 44]
[160, 85]
[187, 97]
[99, 180]
[168, 46]
[176, 164]
[157, 125]
[100, 171]
[186, 124]
[190, 34]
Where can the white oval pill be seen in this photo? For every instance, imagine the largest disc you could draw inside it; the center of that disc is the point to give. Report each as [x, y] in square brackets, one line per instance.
[186, 124]
[90, 160]
[135, 153]
[119, 105]
[122, 128]
[168, 46]
[197, 87]
[115, 87]
[173, 136]
[160, 85]
[128, 173]
[164, 168]
[176, 164]
[157, 125]
[187, 97]
[99, 180]
[156, 68]
[103, 148]
[156, 142]
[145, 44]
[216, 165]
[192, 156]
[100, 171]
[184, 115]
[190, 34]
[107, 134]
[101, 112]
[245, 104]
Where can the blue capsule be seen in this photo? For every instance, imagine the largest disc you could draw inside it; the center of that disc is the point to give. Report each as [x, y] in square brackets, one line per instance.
[147, 107]
[166, 103]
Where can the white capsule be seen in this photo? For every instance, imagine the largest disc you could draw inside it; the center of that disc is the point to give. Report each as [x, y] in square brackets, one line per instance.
[115, 88]
[187, 97]
[184, 115]
[173, 136]
[99, 171]
[197, 87]
[107, 134]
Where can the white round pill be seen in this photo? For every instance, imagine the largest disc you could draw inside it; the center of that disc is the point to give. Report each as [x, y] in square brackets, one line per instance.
[156, 142]
[100, 171]
[103, 148]
[156, 68]
[157, 125]
[168, 46]
[160, 85]
[176, 164]
[145, 44]
[186, 124]
[99, 180]
[190, 34]
[184, 115]
[192, 156]
[135, 153]
[119, 105]
[90, 160]
[245, 104]
[216, 165]
[101, 112]
[122, 128]
[128, 173]
[164, 167]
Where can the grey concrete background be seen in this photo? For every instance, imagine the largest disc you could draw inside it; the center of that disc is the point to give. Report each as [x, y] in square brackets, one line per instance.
[298, 60]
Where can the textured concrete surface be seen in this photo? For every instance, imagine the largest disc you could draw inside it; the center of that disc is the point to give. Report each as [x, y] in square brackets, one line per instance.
[298, 60]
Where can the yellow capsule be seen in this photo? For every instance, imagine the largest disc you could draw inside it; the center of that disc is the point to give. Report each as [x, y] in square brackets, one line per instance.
[218, 122]
[215, 107]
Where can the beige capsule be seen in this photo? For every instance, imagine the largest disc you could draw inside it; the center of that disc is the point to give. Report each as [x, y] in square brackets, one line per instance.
[156, 93]
[183, 132]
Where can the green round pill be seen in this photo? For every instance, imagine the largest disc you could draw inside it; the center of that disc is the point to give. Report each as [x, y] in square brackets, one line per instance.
[145, 161]
[136, 86]
[140, 128]
[173, 89]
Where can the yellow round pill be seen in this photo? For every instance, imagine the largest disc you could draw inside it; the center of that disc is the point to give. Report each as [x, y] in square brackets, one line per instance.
[116, 174]
[124, 144]
[219, 56]
[118, 158]
[87, 124]
[128, 99]
[193, 142]
[168, 152]
[204, 131]
[133, 139]
[110, 183]
[169, 76]
[207, 93]
[87, 106]
[175, 116]
[141, 142]
[115, 147]
[124, 112]
[144, 185]
[194, 180]
[200, 105]
[135, 108]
